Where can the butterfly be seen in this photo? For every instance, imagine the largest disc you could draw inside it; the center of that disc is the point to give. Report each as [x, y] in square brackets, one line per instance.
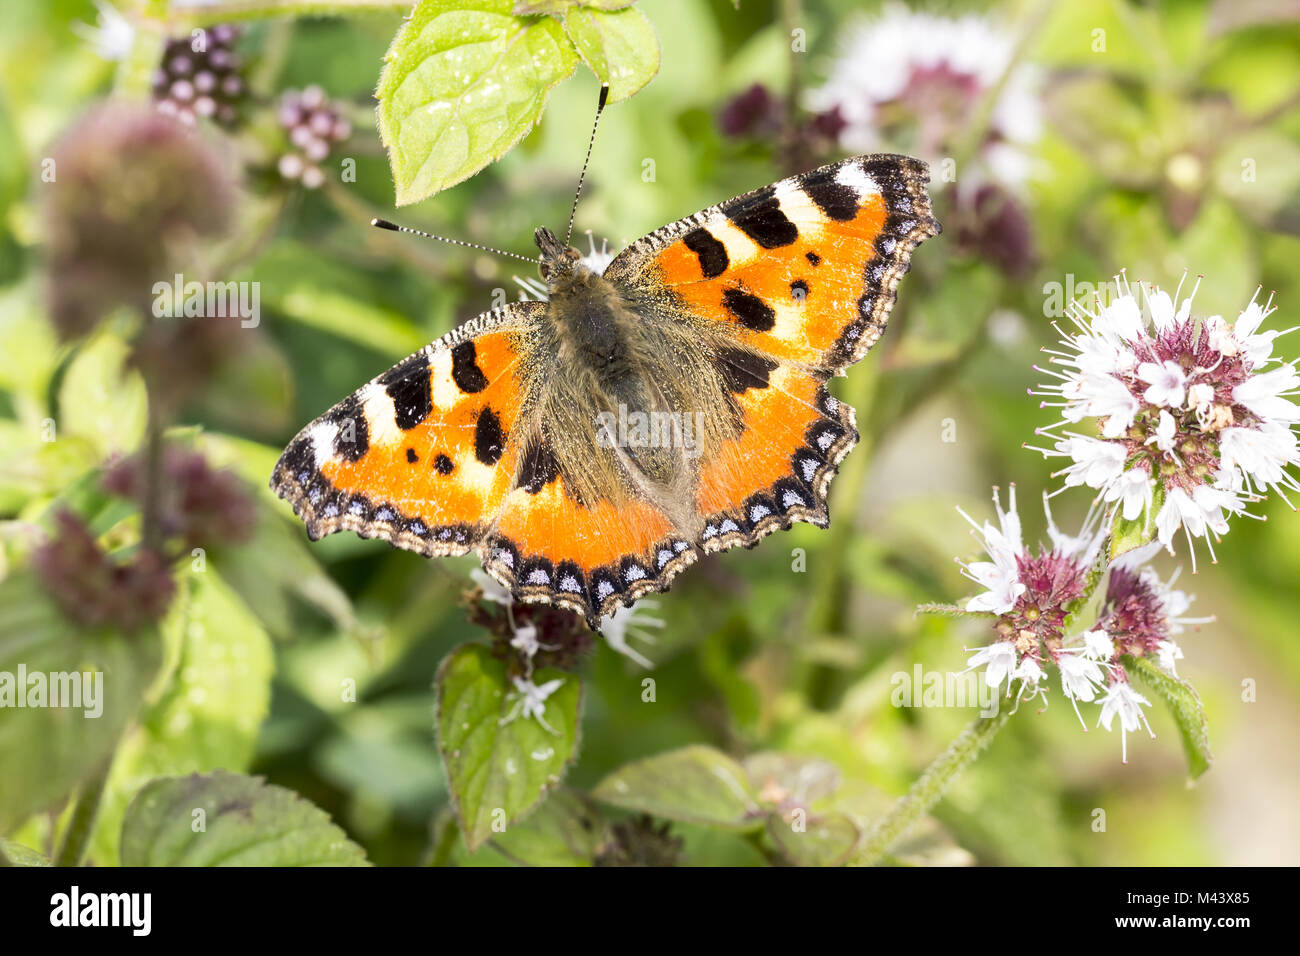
[591, 446]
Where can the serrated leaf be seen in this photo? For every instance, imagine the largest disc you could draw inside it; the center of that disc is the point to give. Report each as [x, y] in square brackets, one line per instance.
[245, 822]
[815, 840]
[620, 47]
[695, 784]
[207, 718]
[49, 750]
[1185, 706]
[499, 764]
[464, 81]
[527, 7]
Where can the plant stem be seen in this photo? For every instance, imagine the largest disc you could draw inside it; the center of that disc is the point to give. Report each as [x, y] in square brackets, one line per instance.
[220, 12]
[81, 826]
[930, 786]
[150, 512]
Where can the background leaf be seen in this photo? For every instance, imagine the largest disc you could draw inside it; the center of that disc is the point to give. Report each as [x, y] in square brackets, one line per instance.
[826, 840]
[247, 823]
[695, 784]
[51, 749]
[213, 706]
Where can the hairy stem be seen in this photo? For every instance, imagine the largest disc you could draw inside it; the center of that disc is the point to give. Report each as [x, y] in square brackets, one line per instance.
[930, 786]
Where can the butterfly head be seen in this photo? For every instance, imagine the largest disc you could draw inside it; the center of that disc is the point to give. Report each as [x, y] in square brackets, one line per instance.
[559, 261]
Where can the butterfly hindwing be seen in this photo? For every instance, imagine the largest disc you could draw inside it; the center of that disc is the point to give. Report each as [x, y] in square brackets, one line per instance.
[591, 557]
[778, 469]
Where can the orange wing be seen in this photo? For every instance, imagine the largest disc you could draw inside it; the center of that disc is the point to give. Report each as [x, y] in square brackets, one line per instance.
[792, 283]
[803, 271]
[424, 455]
[590, 558]
[441, 455]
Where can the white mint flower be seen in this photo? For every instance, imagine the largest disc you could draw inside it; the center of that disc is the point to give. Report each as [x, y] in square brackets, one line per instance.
[113, 35]
[631, 622]
[1097, 463]
[1196, 418]
[1262, 456]
[525, 641]
[530, 701]
[1138, 616]
[1168, 654]
[1133, 489]
[493, 590]
[1264, 394]
[1000, 576]
[1001, 660]
[1080, 678]
[1163, 437]
[911, 79]
[1167, 385]
[1029, 671]
[1098, 645]
[1123, 701]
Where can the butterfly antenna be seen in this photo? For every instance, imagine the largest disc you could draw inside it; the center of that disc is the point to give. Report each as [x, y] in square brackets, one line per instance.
[600, 108]
[393, 227]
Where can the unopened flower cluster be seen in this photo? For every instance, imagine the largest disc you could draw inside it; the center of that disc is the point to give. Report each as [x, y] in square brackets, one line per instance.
[199, 76]
[314, 125]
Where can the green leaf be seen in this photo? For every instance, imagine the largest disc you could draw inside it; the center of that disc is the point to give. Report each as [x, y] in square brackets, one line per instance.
[15, 854]
[815, 840]
[214, 703]
[49, 750]
[463, 82]
[695, 784]
[244, 822]
[352, 319]
[1185, 706]
[276, 565]
[566, 830]
[1126, 536]
[499, 763]
[619, 47]
[101, 400]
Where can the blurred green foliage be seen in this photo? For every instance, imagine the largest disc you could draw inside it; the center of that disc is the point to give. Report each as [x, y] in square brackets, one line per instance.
[260, 650]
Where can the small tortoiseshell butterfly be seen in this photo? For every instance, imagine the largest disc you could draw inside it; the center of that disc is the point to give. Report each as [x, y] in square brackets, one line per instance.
[534, 434]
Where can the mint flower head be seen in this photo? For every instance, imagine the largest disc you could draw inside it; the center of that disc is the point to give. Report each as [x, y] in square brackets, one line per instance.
[1194, 417]
[1036, 599]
